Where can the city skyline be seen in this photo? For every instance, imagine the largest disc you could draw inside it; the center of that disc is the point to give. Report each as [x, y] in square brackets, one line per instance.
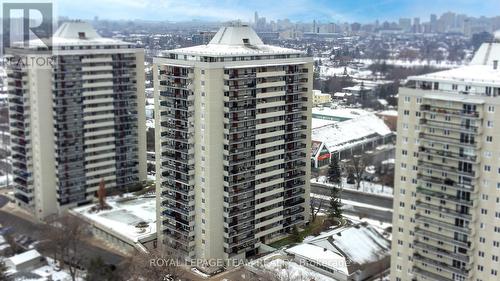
[297, 10]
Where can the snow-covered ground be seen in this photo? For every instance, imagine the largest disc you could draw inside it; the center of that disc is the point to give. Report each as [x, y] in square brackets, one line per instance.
[366, 186]
[407, 63]
[348, 203]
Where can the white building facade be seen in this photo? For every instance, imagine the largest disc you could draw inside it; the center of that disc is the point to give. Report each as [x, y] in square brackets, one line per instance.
[77, 120]
[233, 120]
[446, 223]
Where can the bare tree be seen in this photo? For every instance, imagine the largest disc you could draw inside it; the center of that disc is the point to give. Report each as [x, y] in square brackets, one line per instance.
[151, 266]
[63, 238]
[316, 205]
[357, 165]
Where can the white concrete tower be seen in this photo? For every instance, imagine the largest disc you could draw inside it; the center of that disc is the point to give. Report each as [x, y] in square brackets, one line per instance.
[233, 120]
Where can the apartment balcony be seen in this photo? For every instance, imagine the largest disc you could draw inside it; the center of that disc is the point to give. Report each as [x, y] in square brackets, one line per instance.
[443, 210]
[450, 111]
[421, 219]
[294, 211]
[240, 76]
[239, 230]
[446, 169]
[169, 95]
[270, 74]
[235, 221]
[180, 188]
[293, 202]
[180, 209]
[448, 154]
[293, 221]
[449, 140]
[465, 271]
[178, 177]
[425, 234]
[428, 275]
[438, 251]
[238, 96]
[449, 182]
[439, 194]
[449, 125]
[240, 210]
[271, 84]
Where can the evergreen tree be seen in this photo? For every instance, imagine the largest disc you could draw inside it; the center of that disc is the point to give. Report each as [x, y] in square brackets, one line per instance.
[335, 208]
[296, 234]
[334, 172]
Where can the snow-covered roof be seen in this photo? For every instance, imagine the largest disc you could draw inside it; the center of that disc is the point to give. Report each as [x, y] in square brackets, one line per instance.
[235, 34]
[24, 257]
[486, 54]
[234, 40]
[358, 88]
[74, 33]
[320, 255]
[473, 74]
[317, 122]
[337, 114]
[348, 133]
[388, 113]
[123, 217]
[356, 246]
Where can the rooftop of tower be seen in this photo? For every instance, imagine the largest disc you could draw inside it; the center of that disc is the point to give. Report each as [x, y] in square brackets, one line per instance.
[484, 69]
[234, 40]
[76, 33]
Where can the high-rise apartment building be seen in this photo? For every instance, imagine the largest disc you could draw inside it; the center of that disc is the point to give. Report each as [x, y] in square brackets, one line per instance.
[446, 223]
[76, 113]
[233, 124]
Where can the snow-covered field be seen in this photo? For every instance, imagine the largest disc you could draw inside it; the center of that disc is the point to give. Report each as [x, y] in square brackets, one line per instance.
[366, 186]
[407, 63]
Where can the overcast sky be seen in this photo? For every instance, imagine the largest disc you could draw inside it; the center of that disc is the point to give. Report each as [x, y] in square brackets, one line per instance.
[296, 10]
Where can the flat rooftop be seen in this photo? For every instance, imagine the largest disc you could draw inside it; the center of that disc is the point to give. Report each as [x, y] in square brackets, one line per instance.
[124, 215]
[474, 74]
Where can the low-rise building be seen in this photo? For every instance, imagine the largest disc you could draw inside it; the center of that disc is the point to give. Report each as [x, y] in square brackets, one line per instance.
[320, 98]
[357, 252]
[129, 224]
[390, 118]
[354, 136]
[337, 114]
[26, 261]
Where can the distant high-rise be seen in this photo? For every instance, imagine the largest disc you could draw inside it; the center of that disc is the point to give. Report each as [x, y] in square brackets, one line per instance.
[416, 25]
[433, 23]
[405, 24]
[446, 223]
[233, 122]
[75, 121]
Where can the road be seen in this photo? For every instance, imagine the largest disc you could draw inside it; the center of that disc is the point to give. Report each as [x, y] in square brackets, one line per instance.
[354, 195]
[378, 201]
